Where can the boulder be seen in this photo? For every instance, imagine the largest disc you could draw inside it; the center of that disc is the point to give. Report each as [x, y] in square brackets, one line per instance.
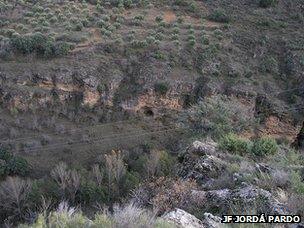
[183, 219]
[201, 168]
[202, 148]
[212, 221]
[247, 195]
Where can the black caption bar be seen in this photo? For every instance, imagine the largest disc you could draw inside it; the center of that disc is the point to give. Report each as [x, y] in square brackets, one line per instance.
[262, 218]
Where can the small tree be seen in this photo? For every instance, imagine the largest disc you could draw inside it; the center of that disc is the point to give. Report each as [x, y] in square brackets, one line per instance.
[14, 193]
[67, 180]
[115, 170]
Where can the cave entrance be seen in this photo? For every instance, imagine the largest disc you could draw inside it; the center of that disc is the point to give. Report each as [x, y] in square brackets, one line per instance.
[148, 111]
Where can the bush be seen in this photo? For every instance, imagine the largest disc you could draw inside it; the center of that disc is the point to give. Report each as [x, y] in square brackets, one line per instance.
[167, 162]
[139, 43]
[219, 16]
[158, 19]
[24, 44]
[216, 115]
[12, 165]
[264, 147]
[269, 65]
[161, 88]
[297, 183]
[78, 26]
[233, 144]
[126, 216]
[90, 192]
[193, 7]
[17, 166]
[39, 43]
[267, 3]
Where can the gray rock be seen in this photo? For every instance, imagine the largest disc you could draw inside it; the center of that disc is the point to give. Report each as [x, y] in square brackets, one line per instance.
[201, 169]
[202, 148]
[212, 221]
[183, 219]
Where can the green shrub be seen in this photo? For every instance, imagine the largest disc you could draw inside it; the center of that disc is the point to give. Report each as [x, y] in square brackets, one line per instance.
[12, 165]
[39, 43]
[161, 88]
[62, 48]
[269, 65]
[219, 16]
[90, 192]
[24, 44]
[176, 30]
[297, 183]
[191, 37]
[174, 37]
[17, 166]
[205, 40]
[159, 36]
[215, 115]
[191, 42]
[167, 162]
[264, 147]
[176, 43]
[5, 155]
[233, 144]
[139, 43]
[158, 19]
[78, 26]
[267, 3]
[150, 40]
[193, 7]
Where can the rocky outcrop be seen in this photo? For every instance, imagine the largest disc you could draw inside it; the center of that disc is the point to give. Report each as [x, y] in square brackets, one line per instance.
[185, 220]
[199, 162]
[207, 166]
[247, 197]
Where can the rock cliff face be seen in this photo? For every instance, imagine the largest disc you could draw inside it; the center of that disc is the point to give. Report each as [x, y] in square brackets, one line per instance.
[125, 83]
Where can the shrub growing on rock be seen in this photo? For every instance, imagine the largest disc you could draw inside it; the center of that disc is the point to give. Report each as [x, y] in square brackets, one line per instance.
[264, 147]
[233, 144]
